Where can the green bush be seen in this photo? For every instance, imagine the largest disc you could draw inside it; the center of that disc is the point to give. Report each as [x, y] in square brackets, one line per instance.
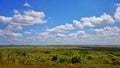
[90, 57]
[116, 62]
[76, 59]
[47, 52]
[20, 53]
[62, 60]
[68, 53]
[54, 58]
[42, 59]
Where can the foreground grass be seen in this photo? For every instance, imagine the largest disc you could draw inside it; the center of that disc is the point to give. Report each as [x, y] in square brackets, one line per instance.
[44, 65]
[60, 57]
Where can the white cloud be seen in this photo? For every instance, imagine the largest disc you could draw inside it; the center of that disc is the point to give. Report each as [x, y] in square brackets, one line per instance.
[60, 35]
[87, 23]
[5, 19]
[61, 28]
[9, 34]
[14, 27]
[108, 31]
[117, 14]
[30, 17]
[16, 12]
[18, 20]
[78, 34]
[44, 35]
[27, 4]
[104, 19]
[77, 24]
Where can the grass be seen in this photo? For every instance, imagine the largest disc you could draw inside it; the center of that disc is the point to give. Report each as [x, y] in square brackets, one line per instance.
[59, 57]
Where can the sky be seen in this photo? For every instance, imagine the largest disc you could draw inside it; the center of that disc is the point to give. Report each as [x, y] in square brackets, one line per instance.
[59, 22]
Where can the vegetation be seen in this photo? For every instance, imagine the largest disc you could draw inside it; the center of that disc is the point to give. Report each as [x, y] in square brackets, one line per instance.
[59, 57]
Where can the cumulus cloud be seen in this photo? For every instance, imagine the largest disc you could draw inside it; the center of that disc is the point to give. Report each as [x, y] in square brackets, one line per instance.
[29, 17]
[5, 19]
[45, 35]
[18, 20]
[16, 12]
[10, 34]
[14, 27]
[26, 18]
[77, 24]
[108, 31]
[117, 13]
[60, 35]
[78, 34]
[27, 4]
[104, 19]
[61, 28]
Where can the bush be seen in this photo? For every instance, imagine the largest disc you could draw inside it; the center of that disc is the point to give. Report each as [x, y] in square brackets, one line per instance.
[114, 59]
[54, 58]
[47, 52]
[116, 62]
[62, 60]
[20, 53]
[42, 59]
[116, 54]
[90, 57]
[68, 53]
[84, 52]
[1, 56]
[76, 59]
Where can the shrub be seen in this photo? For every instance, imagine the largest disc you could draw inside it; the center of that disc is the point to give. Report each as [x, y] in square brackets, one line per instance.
[84, 52]
[20, 53]
[54, 58]
[42, 59]
[116, 62]
[68, 53]
[1, 56]
[116, 54]
[47, 52]
[62, 60]
[113, 59]
[90, 57]
[76, 59]
[65, 53]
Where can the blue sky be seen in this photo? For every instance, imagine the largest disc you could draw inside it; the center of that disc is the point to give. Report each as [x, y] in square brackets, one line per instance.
[59, 22]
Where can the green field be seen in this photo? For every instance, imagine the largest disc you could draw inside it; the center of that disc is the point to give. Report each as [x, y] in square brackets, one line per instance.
[59, 57]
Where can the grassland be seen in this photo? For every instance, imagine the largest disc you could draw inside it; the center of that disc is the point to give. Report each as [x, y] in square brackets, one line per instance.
[59, 57]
